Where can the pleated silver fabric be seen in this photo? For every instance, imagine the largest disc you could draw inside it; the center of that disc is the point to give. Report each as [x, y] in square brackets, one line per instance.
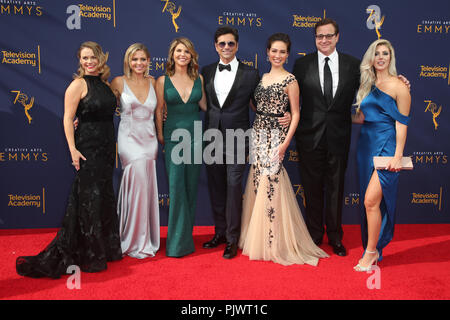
[138, 207]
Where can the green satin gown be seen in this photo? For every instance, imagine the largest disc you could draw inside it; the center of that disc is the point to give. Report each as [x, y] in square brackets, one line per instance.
[183, 177]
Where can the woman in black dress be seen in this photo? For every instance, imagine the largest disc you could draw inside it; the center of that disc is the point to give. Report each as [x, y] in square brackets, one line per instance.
[89, 236]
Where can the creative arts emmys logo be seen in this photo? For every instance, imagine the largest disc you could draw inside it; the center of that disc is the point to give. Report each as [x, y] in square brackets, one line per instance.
[100, 12]
[433, 26]
[19, 154]
[22, 98]
[22, 8]
[174, 12]
[157, 64]
[244, 19]
[352, 199]
[430, 157]
[375, 20]
[434, 110]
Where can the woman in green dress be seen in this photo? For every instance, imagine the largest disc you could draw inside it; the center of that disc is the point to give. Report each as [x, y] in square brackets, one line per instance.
[180, 94]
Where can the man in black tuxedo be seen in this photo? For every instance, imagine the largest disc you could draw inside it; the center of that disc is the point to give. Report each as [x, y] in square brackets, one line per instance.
[229, 87]
[328, 82]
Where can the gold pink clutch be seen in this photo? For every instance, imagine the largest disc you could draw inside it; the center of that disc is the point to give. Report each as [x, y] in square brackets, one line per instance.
[382, 162]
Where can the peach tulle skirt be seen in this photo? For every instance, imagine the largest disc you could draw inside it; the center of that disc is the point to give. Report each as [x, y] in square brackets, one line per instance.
[272, 225]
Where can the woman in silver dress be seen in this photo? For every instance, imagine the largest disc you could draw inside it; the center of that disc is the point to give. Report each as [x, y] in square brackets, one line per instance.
[137, 206]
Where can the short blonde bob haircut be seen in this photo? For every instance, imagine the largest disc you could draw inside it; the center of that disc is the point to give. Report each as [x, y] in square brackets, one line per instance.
[132, 49]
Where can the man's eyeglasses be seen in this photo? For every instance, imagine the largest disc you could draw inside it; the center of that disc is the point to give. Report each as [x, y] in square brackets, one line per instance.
[328, 36]
[222, 44]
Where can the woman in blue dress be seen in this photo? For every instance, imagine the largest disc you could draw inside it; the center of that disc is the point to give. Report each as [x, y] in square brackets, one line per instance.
[383, 108]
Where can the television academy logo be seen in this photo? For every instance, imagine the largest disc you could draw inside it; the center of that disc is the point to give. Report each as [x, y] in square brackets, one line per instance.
[99, 12]
[301, 21]
[375, 20]
[428, 198]
[22, 57]
[435, 72]
[27, 200]
[293, 155]
[174, 12]
[250, 62]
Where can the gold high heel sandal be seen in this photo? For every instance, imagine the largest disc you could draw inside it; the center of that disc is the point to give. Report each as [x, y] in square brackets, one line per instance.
[360, 268]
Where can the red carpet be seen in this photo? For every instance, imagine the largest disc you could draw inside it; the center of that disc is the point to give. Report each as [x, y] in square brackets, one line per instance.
[416, 265]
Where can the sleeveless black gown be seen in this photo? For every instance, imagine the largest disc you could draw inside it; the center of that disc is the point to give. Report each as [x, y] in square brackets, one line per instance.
[89, 236]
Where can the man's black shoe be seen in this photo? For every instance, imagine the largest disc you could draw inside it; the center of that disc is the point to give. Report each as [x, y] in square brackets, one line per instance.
[215, 241]
[230, 251]
[339, 249]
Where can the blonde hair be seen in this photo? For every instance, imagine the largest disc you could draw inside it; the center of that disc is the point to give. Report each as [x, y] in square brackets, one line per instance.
[102, 57]
[368, 75]
[129, 55]
[193, 65]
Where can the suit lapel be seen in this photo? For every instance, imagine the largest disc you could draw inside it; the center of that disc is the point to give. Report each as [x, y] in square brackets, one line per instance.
[314, 73]
[235, 87]
[210, 88]
[343, 71]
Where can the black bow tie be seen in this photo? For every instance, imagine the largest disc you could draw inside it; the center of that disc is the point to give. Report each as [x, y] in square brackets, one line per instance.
[224, 66]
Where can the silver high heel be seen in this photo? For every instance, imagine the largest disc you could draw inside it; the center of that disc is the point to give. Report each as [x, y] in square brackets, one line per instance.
[360, 268]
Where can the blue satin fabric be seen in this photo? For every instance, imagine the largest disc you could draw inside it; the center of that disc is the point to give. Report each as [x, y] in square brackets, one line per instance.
[378, 138]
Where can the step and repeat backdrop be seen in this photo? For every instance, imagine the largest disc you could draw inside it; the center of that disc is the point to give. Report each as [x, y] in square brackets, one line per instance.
[38, 44]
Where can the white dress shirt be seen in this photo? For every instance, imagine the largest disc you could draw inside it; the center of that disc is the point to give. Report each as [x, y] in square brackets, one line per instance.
[223, 81]
[333, 63]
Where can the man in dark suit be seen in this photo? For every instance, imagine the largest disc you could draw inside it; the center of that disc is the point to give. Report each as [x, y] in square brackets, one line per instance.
[328, 82]
[229, 87]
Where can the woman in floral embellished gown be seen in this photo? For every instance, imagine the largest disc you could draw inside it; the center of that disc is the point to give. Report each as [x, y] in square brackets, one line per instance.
[272, 224]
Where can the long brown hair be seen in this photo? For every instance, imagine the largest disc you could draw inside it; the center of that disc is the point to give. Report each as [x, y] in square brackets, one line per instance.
[102, 57]
[193, 65]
